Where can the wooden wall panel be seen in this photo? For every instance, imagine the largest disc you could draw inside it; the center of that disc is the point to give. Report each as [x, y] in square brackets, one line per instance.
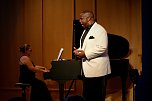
[57, 29]
[33, 28]
[21, 24]
[57, 32]
[10, 36]
[11, 30]
[136, 34]
[82, 5]
[114, 16]
[123, 17]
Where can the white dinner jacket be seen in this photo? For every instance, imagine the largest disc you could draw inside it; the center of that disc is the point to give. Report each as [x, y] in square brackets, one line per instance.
[95, 46]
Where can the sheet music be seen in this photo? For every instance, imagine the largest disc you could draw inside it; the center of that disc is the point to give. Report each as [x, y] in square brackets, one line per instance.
[60, 54]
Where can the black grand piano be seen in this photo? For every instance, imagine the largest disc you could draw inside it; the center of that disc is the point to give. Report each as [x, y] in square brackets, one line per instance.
[118, 51]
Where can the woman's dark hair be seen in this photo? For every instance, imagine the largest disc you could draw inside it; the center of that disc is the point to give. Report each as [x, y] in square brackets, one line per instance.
[23, 48]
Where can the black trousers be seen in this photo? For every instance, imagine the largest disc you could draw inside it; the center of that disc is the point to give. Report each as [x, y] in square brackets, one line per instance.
[94, 89]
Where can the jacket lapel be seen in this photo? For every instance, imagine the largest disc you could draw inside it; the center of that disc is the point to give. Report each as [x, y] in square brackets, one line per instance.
[90, 33]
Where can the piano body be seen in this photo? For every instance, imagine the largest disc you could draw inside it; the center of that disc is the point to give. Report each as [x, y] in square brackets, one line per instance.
[63, 71]
[118, 50]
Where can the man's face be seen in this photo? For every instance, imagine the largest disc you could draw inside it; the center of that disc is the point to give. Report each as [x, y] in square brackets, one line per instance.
[84, 19]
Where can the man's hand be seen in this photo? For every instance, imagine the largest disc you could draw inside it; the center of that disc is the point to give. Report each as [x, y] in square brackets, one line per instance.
[79, 53]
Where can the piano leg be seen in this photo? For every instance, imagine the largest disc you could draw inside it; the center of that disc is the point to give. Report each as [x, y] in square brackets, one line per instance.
[123, 81]
[61, 90]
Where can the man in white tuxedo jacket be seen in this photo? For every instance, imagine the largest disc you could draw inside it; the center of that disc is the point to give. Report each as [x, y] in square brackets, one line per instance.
[93, 51]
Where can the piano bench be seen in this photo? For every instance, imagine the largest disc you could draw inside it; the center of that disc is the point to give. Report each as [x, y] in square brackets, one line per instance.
[23, 86]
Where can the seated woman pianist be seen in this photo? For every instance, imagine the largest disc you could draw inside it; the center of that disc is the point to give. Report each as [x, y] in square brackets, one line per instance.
[39, 90]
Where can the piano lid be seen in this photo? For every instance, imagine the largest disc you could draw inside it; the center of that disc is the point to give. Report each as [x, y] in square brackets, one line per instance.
[118, 46]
